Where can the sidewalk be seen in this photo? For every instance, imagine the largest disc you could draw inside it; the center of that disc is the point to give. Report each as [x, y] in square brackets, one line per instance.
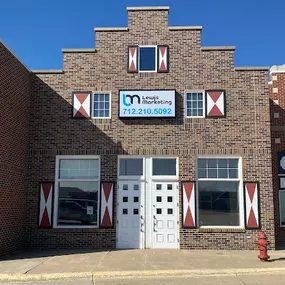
[51, 265]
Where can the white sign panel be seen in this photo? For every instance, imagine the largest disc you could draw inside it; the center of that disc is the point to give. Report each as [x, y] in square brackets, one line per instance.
[147, 103]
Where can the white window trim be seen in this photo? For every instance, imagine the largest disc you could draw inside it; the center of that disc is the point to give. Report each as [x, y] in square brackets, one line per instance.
[147, 71]
[241, 196]
[55, 214]
[110, 105]
[185, 103]
[281, 226]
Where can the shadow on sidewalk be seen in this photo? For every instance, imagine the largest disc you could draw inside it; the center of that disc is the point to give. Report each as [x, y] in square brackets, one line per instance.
[26, 254]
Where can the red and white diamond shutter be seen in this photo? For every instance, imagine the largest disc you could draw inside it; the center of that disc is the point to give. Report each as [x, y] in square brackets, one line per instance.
[132, 59]
[215, 104]
[162, 58]
[46, 200]
[107, 197]
[189, 204]
[81, 104]
[251, 205]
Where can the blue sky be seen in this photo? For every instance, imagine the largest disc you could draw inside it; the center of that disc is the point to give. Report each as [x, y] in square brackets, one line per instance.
[37, 30]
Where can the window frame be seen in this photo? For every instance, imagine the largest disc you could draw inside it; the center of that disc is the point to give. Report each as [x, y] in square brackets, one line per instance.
[240, 189]
[155, 61]
[281, 226]
[164, 177]
[110, 104]
[56, 190]
[204, 103]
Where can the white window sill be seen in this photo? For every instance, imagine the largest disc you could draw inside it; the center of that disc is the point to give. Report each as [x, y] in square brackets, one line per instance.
[222, 229]
[75, 227]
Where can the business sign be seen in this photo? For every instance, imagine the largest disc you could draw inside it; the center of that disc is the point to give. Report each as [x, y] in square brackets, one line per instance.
[147, 103]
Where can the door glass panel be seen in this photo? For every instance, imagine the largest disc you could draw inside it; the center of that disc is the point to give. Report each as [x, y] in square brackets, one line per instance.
[125, 199]
[136, 187]
[136, 211]
[131, 167]
[158, 211]
[136, 199]
[125, 187]
[164, 166]
[158, 199]
[125, 211]
[169, 186]
[158, 186]
[169, 199]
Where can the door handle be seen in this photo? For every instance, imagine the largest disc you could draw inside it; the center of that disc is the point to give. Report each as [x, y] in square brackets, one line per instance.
[154, 223]
[142, 224]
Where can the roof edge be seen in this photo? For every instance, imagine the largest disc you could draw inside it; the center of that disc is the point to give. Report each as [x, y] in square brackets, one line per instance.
[277, 69]
[179, 28]
[252, 68]
[47, 71]
[148, 8]
[78, 50]
[13, 54]
[209, 48]
[110, 29]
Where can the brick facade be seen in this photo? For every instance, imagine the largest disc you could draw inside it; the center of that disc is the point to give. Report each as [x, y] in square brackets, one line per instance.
[277, 106]
[15, 94]
[244, 132]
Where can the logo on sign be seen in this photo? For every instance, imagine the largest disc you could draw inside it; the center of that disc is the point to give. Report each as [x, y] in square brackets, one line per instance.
[131, 99]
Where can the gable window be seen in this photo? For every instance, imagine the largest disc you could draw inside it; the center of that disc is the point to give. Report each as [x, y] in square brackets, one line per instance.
[77, 191]
[194, 104]
[219, 192]
[101, 105]
[147, 58]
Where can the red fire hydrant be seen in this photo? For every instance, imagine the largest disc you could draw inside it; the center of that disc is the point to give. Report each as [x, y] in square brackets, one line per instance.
[262, 244]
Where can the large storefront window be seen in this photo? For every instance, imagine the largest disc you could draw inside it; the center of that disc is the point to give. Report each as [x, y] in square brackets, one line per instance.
[282, 207]
[219, 191]
[77, 191]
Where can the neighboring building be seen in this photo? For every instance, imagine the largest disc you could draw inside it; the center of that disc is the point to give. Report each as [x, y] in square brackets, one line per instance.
[277, 106]
[15, 91]
[149, 141]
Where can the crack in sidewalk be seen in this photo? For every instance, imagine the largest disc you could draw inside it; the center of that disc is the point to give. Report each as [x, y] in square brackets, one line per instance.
[41, 263]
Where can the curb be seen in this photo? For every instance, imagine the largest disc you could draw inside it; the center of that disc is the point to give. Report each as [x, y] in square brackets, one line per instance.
[141, 274]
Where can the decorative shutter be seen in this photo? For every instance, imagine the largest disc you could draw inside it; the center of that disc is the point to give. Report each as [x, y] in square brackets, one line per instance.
[251, 193]
[132, 59]
[189, 204]
[46, 205]
[215, 104]
[162, 58]
[81, 104]
[107, 205]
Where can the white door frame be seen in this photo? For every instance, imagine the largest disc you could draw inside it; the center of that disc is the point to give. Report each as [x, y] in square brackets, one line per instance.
[148, 179]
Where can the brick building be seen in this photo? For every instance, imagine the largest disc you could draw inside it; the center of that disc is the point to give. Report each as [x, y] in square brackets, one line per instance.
[277, 106]
[147, 141]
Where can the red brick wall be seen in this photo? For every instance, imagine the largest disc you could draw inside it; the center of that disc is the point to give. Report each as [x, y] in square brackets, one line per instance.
[277, 132]
[244, 132]
[14, 119]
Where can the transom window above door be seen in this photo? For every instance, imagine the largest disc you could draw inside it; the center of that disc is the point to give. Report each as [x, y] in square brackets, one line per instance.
[164, 166]
[130, 166]
[219, 192]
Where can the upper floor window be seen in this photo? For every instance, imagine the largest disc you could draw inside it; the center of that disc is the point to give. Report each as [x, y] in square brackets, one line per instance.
[147, 58]
[101, 105]
[150, 58]
[194, 104]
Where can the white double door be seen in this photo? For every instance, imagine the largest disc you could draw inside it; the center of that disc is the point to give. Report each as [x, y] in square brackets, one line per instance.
[147, 203]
